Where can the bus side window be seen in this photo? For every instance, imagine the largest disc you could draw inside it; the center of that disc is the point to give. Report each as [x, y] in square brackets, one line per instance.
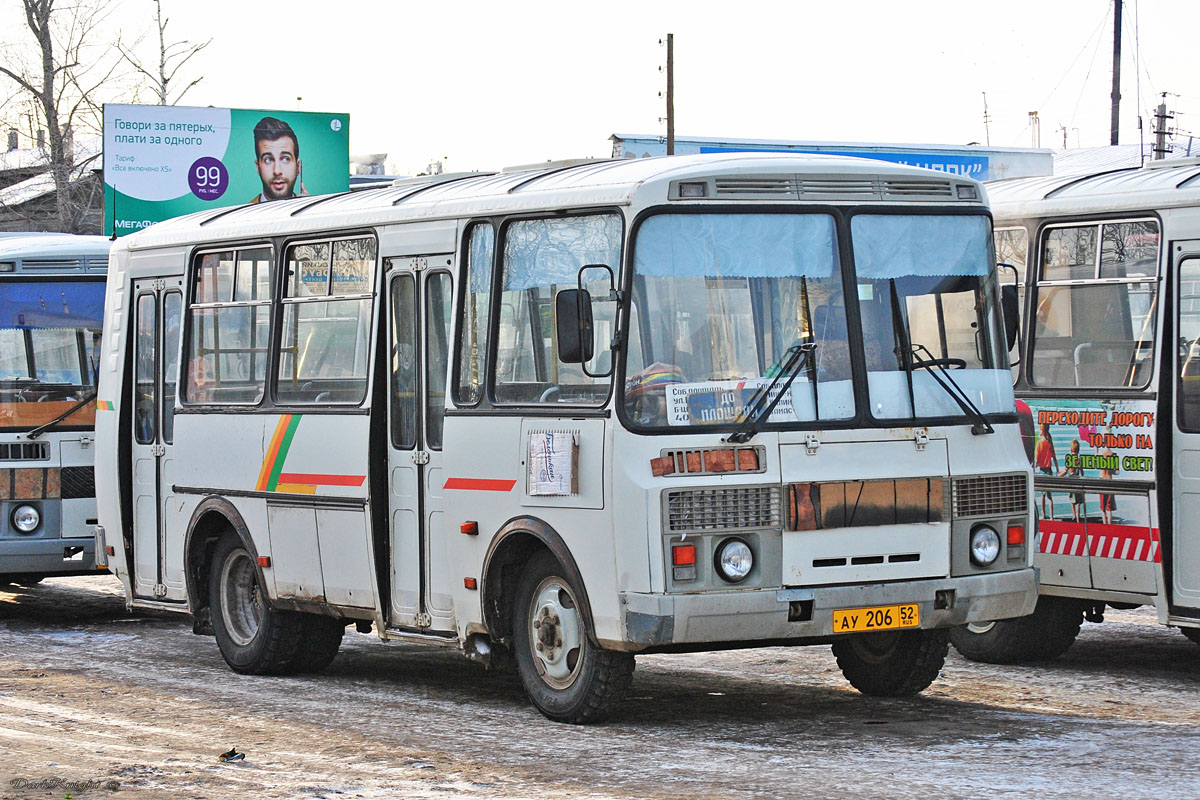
[326, 322]
[541, 257]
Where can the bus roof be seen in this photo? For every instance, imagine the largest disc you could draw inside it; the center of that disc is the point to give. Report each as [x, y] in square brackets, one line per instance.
[588, 183]
[1161, 184]
[54, 246]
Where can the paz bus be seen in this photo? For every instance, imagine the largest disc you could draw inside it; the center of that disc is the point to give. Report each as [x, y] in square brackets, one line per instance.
[51, 307]
[572, 414]
[1108, 384]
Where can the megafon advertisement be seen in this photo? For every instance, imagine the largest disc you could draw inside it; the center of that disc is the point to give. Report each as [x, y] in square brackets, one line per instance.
[166, 161]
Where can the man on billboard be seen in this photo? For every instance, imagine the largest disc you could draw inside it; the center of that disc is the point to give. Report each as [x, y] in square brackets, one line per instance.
[277, 156]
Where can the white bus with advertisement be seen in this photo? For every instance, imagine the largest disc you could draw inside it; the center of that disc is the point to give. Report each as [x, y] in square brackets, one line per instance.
[573, 414]
[1108, 270]
[51, 308]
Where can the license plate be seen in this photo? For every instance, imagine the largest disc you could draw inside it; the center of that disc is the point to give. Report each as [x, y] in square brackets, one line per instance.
[876, 618]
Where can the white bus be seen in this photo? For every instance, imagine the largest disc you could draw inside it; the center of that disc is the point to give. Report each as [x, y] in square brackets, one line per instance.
[51, 307]
[1108, 386]
[573, 414]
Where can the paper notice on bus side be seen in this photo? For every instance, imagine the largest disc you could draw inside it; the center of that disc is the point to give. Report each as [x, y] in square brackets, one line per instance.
[553, 464]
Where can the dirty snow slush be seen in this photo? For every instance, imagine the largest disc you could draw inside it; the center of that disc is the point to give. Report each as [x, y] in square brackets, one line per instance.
[92, 698]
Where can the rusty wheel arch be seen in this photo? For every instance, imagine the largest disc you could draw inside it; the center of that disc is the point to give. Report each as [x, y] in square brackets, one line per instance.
[512, 546]
[213, 518]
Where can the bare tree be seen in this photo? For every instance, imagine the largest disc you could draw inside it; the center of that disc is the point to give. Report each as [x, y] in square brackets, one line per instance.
[171, 58]
[59, 87]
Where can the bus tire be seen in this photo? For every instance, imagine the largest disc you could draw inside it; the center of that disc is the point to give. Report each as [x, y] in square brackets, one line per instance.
[1004, 641]
[254, 638]
[1044, 635]
[567, 678]
[892, 663]
[1193, 634]
[1054, 624]
[320, 639]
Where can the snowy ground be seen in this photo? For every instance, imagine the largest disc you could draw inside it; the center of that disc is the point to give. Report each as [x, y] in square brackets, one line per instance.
[90, 694]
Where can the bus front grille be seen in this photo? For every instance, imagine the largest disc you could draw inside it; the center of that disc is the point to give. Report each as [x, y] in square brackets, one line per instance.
[990, 495]
[723, 509]
[24, 451]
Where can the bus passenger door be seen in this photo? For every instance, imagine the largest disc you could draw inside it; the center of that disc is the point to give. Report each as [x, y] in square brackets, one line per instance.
[157, 309]
[1184, 575]
[419, 300]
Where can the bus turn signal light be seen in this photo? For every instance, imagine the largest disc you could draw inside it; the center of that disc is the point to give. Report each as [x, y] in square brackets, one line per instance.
[264, 561]
[1016, 534]
[469, 528]
[470, 583]
[683, 555]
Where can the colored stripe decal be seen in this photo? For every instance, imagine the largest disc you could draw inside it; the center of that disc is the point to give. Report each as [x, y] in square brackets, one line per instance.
[104, 405]
[322, 480]
[295, 488]
[281, 440]
[480, 484]
[284, 445]
[1128, 542]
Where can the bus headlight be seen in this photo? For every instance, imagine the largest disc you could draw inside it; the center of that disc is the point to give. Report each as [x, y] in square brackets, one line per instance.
[26, 518]
[985, 545]
[734, 560]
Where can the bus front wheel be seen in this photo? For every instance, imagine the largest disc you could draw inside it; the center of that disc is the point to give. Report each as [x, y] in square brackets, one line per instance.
[1191, 633]
[891, 663]
[1044, 635]
[254, 638]
[566, 677]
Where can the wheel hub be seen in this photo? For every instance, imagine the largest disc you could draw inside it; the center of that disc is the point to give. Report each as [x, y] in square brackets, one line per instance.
[556, 634]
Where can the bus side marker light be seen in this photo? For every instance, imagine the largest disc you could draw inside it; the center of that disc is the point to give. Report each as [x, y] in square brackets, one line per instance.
[470, 583]
[1016, 534]
[264, 561]
[112, 551]
[683, 555]
[470, 528]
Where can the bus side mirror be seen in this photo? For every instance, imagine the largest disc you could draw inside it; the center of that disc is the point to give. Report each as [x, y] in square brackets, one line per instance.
[1011, 308]
[573, 326]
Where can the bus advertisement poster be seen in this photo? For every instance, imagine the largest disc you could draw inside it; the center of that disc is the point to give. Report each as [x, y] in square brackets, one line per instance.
[166, 161]
[1090, 438]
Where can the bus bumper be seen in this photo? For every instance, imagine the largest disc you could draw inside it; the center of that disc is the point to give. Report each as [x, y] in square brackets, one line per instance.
[48, 556]
[654, 620]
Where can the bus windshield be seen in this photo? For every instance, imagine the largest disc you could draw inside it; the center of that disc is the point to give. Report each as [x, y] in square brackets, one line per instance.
[721, 299]
[49, 335]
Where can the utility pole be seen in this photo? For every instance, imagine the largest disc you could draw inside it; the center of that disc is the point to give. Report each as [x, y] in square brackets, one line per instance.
[670, 94]
[1116, 84]
[1035, 125]
[1160, 129]
[987, 133]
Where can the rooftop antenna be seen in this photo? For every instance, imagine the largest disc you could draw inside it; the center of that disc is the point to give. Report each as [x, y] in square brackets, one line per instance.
[987, 134]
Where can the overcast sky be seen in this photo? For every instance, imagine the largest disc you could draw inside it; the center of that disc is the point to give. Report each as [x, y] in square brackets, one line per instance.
[482, 85]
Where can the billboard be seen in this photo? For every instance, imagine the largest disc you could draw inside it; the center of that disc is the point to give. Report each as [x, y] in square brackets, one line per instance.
[166, 161]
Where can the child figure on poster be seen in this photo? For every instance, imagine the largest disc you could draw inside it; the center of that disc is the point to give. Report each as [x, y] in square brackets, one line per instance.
[1073, 470]
[1046, 461]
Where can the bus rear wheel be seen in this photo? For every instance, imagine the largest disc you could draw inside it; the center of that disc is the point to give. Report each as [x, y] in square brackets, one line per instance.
[254, 638]
[320, 639]
[892, 663]
[566, 677]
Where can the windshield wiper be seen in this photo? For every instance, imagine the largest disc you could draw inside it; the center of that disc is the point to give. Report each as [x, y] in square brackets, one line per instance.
[909, 356]
[760, 407]
[937, 370]
[39, 430]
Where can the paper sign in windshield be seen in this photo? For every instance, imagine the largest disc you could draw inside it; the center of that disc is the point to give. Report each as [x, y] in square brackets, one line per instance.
[722, 402]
